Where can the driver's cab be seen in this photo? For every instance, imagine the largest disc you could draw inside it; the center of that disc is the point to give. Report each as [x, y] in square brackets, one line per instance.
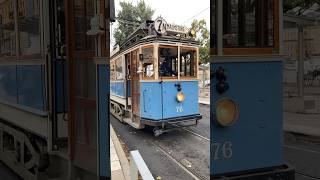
[169, 61]
[163, 71]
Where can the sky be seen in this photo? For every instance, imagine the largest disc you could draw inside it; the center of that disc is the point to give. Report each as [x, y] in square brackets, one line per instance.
[180, 12]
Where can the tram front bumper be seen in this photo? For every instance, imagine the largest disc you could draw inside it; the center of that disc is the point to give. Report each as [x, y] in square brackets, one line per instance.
[176, 120]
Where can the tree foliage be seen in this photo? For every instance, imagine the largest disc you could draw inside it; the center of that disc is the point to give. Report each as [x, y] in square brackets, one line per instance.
[129, 17]
[290, 4]
[203, 36]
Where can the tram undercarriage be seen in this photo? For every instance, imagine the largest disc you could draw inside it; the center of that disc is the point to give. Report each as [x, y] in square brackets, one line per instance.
[160, 126]
[23, 152]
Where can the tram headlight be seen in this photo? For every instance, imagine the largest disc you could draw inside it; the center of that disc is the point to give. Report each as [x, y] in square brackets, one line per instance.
[180, 97]
[227, 112]
[192, 33]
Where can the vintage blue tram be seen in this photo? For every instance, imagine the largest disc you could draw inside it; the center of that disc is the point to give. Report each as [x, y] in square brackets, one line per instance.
[154, 77]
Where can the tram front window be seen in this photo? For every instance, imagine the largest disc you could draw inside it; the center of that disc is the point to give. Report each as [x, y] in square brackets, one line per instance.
[188, 61]
[168, 59]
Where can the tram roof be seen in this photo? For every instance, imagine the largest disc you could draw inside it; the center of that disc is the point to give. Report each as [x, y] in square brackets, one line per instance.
[145, 34]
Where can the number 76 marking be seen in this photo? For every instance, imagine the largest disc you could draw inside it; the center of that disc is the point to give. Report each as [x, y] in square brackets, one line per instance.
[222, 150]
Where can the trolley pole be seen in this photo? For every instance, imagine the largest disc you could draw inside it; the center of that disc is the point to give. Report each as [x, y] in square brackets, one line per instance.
[300, 61]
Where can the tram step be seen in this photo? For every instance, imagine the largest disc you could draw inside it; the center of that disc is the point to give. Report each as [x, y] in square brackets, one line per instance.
[133, 124]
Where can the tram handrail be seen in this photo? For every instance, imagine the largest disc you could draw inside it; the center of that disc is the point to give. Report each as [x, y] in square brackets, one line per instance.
[137, 164]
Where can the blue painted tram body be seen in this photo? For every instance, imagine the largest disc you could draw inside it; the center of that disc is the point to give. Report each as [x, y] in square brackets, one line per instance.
[149, 74]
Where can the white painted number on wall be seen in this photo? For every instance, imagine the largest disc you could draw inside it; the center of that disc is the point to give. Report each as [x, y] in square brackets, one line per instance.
[179, 109]
[222, 150]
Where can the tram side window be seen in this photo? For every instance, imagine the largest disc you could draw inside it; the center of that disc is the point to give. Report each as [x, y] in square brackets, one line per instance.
[118, 69]
[245, 23]
[29, 27]
[168, 60]
[7, 30]
[188, 60]
[148, 62]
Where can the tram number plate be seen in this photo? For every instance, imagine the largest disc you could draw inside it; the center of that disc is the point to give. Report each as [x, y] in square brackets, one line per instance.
[179, 109]
[222, 150]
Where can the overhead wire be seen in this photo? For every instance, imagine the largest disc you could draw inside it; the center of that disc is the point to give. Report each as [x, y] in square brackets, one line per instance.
[196, 15]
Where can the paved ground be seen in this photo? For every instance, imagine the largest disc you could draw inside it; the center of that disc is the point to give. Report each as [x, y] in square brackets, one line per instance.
[303, 153]
[176, 155]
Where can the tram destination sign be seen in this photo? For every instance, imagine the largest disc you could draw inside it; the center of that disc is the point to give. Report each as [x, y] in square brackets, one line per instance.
[161, 27]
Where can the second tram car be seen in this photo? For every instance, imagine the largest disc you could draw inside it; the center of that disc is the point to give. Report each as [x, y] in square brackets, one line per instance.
[154, 78]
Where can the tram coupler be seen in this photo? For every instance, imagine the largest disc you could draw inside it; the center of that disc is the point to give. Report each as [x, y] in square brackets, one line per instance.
[157, 132]
[284, 172]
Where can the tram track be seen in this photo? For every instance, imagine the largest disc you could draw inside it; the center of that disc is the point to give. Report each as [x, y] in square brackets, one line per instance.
[183, 156]
[300, 169]
[193, 133]
[307, 175]
[177, 162]
[196, 134]
[181, 160]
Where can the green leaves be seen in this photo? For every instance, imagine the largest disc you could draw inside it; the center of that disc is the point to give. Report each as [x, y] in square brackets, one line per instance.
[290, 4]
[203, 36]
[130, 17]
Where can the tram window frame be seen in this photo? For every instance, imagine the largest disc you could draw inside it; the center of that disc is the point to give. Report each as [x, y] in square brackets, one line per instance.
[144, 76]
[159, 62]
[254, 50]
[195, 62]
[119, 69]
[127, 58]
[112, 71]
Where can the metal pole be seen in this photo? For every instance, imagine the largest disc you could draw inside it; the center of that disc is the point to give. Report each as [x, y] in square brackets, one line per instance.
[220, 27]
[203, 78]
[300, 61]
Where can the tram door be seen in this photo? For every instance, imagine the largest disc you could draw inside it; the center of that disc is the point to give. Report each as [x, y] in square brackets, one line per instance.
[82, 85]
[135, 82]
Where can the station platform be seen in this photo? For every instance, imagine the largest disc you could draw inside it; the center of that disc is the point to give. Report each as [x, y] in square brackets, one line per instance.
[307, 124]
[120, 167]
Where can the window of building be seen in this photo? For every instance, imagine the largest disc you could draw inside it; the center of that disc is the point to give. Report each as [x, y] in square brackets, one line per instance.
[168, 60]
[148, 62]
[188, 60]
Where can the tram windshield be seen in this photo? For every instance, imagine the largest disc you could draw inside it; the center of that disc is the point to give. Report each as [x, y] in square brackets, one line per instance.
[188, 61]
[168, 60]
